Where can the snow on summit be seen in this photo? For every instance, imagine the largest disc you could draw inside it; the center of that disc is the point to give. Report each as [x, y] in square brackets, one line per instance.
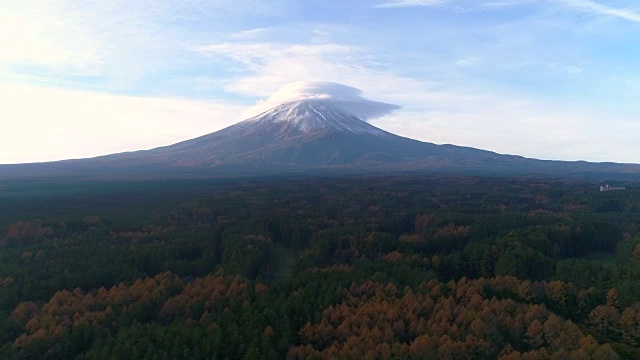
[310, 115]
[339, 96]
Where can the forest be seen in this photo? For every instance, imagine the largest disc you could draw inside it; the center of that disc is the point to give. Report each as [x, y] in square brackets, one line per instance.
[334, 267]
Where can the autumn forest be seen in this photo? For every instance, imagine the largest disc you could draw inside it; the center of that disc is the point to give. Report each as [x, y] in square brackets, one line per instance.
[337, 267]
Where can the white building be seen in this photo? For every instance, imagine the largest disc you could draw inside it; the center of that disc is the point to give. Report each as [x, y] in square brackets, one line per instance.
[612, 188]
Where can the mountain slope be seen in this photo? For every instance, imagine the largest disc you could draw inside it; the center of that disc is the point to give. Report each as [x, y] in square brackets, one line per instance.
[299, 133]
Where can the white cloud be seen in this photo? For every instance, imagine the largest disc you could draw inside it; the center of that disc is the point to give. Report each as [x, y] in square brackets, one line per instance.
[264, 67]
[250, 34]
[53, 80]
[346, 97]
[454, 110]
[573, 69]
[597, 8]
[39, 36]
[588, 6]
[468, 61]
[411, 3]
[256, 56]
[40, 124]
[116, 42]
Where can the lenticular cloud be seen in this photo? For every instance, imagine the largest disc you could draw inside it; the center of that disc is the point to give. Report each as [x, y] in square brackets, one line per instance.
[345, 97]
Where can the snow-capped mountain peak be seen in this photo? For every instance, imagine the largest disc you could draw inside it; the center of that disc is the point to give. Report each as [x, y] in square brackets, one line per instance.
[312, 115]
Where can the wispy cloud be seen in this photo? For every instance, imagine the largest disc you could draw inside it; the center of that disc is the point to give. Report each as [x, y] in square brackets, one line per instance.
[458, 4]
[35, 79]
[600, 9]
[467, 61]
[411, 3]
[120, 43]
[249, 34]
[588, 6]
[269, 65]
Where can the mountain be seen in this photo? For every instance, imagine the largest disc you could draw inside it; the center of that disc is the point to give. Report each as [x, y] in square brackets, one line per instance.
[303, 135]
[300, 133]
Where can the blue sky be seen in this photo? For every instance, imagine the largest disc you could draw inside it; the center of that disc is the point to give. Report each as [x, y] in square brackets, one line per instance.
[551, 79]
